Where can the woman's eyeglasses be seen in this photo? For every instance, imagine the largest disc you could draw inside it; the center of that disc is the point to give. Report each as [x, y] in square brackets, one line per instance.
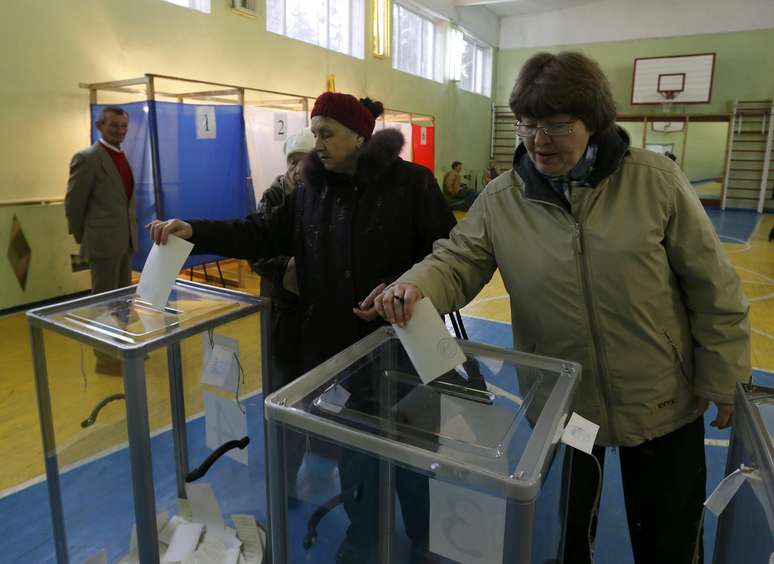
[559, 129]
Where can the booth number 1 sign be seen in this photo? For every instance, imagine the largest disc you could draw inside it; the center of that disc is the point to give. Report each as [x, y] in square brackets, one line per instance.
[206, 126]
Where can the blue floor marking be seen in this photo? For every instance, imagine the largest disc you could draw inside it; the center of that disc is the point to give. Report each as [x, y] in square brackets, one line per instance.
[100, 490]
[734, 226]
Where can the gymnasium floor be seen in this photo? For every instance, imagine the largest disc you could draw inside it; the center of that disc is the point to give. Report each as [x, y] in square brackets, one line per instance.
[99, 471]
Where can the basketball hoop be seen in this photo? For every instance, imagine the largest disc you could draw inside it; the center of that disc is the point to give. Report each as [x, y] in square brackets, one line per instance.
[670, 85]
[669, 98]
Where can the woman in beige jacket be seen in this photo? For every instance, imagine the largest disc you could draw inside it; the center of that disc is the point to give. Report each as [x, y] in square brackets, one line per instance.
[609, 260]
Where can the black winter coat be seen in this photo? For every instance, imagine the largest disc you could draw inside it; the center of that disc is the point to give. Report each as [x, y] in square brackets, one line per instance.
[347, 234]
[286, 312]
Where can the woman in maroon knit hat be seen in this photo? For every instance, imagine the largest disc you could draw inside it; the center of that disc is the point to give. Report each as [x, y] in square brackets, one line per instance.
[360, 216]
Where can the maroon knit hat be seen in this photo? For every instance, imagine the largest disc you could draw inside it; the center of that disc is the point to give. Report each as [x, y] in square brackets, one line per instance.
[358, 115]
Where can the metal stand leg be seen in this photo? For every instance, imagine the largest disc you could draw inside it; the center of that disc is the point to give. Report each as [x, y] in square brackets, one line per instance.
[49, 446]
[386, 469]
[274, 455]
[220, 273]
[177, 401]
[140, 457]
[277, 501]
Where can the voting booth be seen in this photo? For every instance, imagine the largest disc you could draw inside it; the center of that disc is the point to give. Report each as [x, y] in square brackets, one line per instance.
[468, 465]
[746, 525]
[186, 144]
[165, 456]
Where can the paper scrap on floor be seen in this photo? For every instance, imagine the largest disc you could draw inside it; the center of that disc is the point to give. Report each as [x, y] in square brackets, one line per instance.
[427, 341]
[161, 269]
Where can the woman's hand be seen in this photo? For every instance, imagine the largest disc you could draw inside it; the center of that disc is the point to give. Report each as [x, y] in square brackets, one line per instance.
[366, 310]
[160, 231]
[396, 305]
[725, 412]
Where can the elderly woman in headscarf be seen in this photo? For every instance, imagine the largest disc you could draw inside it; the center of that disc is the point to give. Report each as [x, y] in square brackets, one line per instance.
[360, 217]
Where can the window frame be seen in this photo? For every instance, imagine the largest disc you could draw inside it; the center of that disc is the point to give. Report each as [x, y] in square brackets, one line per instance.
[484, 78]
[357, 10]
[436, 48]
[188, 6]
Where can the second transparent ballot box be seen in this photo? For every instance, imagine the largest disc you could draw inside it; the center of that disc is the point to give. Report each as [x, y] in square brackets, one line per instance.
[746, 526]
[367, 464]
[152, 422]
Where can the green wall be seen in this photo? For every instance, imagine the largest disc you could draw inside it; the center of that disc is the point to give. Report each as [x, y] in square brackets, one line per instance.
[743, 70]
[706, 150]
[742, 67]
[50, 46]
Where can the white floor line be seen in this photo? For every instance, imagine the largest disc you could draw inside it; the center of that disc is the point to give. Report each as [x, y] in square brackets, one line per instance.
[102, 454]
[486, 319]
[487, 300]
[757, 225]
[716, 442]
[762, 333]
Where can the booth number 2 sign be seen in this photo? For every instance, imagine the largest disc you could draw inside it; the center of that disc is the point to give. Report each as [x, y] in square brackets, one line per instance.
[280, 127]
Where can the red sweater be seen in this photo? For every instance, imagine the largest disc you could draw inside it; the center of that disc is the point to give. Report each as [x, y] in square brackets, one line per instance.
[124, 170]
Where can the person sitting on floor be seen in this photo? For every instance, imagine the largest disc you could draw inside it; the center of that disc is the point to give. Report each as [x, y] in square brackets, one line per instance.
[458, 196]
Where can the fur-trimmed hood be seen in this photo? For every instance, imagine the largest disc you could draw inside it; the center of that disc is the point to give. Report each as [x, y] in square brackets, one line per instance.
[375, 157]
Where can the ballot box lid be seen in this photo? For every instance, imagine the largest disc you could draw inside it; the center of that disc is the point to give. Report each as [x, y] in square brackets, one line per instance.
[121, 320]
[492, 422]
[761, 399]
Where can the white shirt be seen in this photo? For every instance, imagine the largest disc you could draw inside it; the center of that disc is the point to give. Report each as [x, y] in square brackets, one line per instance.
[109, 146]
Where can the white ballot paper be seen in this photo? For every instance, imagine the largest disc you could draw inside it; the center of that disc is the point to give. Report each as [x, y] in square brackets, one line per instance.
[223, 422]
[580, 433]
[161, 268]
[431, 348]
[99, 558]
[254, 539]
[725, 490]
[184, 541]
[219, 366]
[465, 525]
[205, 508]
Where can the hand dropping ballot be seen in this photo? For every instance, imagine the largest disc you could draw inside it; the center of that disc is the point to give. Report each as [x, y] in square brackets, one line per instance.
[161, 269]
[431, 348]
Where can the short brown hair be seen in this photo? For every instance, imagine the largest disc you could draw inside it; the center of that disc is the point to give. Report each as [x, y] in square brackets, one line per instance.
[564, 83]
[117, 110]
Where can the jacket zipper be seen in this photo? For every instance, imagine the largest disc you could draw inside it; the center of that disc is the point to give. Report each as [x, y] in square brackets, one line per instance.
[594, 325]
[577, 243]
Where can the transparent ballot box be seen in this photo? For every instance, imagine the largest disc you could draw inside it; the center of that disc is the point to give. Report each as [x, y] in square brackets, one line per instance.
[369, 465]
[152, 423]
[746, 526]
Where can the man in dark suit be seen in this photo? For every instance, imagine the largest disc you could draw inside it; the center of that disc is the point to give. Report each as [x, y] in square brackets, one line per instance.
[100, 210]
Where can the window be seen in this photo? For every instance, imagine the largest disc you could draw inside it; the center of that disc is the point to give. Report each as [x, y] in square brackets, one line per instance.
[200, 5]
[333, 24]
[244, 7]
[476, 69]
[414, 43]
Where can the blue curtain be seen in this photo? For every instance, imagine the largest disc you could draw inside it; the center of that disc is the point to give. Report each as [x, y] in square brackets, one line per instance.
[203, 178]
[200, 178]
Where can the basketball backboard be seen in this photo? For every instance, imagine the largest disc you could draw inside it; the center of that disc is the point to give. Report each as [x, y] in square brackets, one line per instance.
[681, 79]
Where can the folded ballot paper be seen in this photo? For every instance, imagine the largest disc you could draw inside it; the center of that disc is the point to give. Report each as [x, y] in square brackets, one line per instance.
[427, 341]
[161, 269]
[198, 534]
